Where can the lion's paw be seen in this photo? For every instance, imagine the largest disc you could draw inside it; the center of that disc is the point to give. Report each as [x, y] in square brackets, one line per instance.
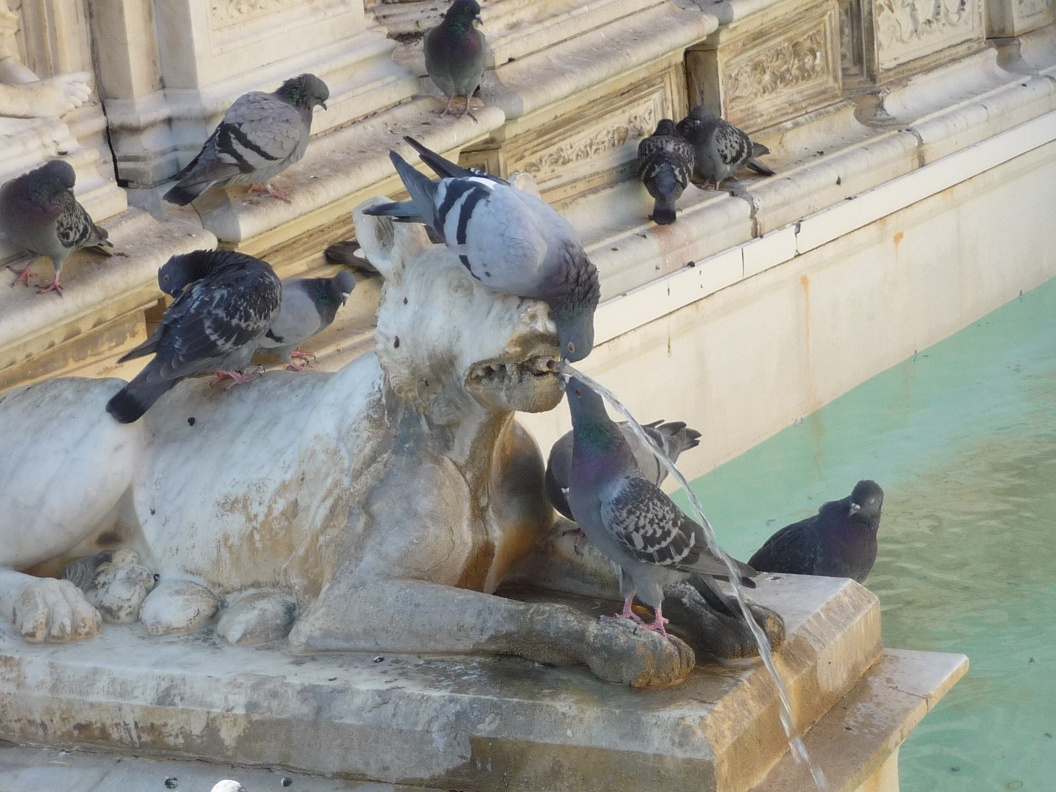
[257, 617]
[55, 610]
[178, 606]
[621, 651]
[714, 632]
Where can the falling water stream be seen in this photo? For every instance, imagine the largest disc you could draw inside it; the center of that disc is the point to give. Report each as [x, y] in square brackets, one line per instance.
[799, 750]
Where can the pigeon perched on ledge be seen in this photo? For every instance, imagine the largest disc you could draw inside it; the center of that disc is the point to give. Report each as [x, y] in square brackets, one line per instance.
[665, 165]
[721, 148]
[509, 240]
[261, 135]
[673, 438]
[215, 324]
[626, 516]
[39, 213]
[309, 306]
[456, 52]
[838, 541]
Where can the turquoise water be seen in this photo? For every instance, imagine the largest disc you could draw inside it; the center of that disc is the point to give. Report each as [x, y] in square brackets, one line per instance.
[963, 440]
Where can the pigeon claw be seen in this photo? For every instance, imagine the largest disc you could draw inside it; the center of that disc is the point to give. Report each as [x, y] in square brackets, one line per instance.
[54, 286]
[269, 190]
[236, 377]
[23, 274]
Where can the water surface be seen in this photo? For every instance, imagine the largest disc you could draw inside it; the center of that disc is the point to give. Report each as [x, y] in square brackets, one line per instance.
[962, 438]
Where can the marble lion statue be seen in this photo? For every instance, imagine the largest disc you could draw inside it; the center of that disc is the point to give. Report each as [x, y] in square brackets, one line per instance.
[373, 509]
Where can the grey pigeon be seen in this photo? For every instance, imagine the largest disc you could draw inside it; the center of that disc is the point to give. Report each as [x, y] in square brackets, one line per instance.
[673, 438]
[39, 213]
[721, 148]
[508, 239]
[626, 516]
[309, 306]
[262, 134]
[215, 324]
[838, 541]
[455, 53]
[665, 165]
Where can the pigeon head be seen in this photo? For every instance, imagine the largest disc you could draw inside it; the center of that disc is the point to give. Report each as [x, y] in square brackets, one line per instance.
[574, 314]
[866, 501]
[589, 417]
[186, 268]
[701, 113]
[461, 14]
[305, 90]
[341, 285]
[55, 174]
[666, 127]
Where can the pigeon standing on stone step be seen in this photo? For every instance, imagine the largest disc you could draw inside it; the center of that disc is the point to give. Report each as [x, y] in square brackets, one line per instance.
[626, 516]
[456, 52]
[665, 165]
[261, 135]
[838, 541]
[215, 324]
[673, 438]
[309, 306]
[39, 213]
[509, 240]
[721, 148]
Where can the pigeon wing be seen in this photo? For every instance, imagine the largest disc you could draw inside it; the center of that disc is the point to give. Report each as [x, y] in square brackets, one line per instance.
[793, 549]
[732, 145]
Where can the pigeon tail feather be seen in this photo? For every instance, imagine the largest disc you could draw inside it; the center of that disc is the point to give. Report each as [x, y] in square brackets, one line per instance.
[441, 166]
[132, 401]
[759, 168]
[664, 211]
[181, 194]
[422, 190]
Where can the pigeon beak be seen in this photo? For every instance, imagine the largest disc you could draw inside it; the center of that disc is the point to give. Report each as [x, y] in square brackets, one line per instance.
[855, 508]
[323, 105]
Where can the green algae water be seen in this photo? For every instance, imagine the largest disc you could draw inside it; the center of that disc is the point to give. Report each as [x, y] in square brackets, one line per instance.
[962, 437]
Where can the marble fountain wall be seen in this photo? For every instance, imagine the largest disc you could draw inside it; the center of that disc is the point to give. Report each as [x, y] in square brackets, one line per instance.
[915, 152]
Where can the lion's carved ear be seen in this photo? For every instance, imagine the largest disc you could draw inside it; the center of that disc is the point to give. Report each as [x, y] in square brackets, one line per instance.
[388, 245]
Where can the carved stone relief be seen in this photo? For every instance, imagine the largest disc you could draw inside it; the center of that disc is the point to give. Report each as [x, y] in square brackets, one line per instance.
[1015, 17]
[764, 75]
[911, 29]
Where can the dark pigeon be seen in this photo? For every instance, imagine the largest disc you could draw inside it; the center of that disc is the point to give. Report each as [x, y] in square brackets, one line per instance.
[838, 541]
[508, 239]
[673, 438]
[309, 306]
[456, 52]
[721, 148]
[261, 135]
[627, 517]
[665, 166]
[39, 213]
[214, 324]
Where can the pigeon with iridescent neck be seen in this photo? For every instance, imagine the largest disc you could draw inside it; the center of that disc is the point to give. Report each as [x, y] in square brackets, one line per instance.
[509, 240]
[721, 148]
[838, 541]
[214, 324]
[456, 52]
[665, 166]
[261, 135]
[309, 306]
[627, 517]
[39, 213]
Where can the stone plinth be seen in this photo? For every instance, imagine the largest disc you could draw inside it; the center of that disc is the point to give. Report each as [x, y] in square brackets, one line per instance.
[1016, 17]
[472, 723]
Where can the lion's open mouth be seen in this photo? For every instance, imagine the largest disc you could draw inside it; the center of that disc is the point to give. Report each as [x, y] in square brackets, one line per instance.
[498, 373]
[527, 383]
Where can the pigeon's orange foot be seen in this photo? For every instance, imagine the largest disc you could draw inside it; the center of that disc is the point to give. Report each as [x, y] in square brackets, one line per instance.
[626, 613]
[269, 190]
[657, 625]
[54, 286]
[23, 274]
[236, 377]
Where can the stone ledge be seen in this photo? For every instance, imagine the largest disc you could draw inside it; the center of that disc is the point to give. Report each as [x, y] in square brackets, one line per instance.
[468, 723]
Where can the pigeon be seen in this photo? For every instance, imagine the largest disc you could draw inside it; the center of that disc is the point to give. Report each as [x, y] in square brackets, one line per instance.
[262, 134]
[673, 438]
[215, 323]
[838, 541]
[39, 213]
[721, 148]
[455, 53]
[665, 165]
[309, 306]
[509, 240]
[627, 517]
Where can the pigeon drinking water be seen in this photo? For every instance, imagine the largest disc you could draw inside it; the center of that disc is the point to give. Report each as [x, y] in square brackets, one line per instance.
[665, 165]
[39, 213]
[309, 306]
[838, 541]
[215, 324]
[455, 53]
[626, 516]
[261, 135]
[508, 239]
[721, 148]
[673, 438]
